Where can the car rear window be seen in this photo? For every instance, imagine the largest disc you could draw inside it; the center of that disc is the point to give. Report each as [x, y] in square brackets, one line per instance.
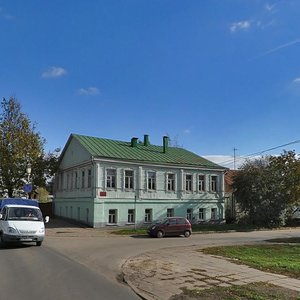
[180, 221]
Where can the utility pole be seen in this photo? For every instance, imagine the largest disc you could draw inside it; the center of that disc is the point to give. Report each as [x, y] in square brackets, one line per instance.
[234, 158]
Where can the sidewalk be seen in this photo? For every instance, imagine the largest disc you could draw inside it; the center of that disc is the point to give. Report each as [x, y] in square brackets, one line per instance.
[161, 274]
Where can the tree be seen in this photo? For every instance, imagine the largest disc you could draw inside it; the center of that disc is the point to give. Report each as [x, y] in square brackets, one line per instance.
[20, 145]
[267, 189]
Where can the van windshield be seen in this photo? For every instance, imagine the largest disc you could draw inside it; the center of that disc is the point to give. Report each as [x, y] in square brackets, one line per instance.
[24, 214]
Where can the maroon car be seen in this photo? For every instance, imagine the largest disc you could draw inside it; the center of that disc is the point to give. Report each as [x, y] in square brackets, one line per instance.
[171, 226]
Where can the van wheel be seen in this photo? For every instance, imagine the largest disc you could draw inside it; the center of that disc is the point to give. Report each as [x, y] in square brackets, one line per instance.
[3, 243]
[39, 243]
[187, 233]
[159, 234]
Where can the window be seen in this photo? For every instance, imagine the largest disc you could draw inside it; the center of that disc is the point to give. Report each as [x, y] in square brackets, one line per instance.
[214, 213]
[76, 180]
[151, 181]
[78, 213]
[171, 182]
[201, 183]
[189, 214]
[129, 183]
[201, 213]
[170, 212]
[131, 216]
[148, 215]
[82, 179]
[188, 182]
[112, 216]
[213, 186]
[89, 178]
[111, 178]
[68, 181]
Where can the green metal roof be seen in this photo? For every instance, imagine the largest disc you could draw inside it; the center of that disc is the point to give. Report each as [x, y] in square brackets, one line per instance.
[106, 148]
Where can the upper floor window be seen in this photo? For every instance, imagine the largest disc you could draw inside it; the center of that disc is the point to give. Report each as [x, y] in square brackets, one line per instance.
[201, 183]
[89, 178]
[214, 181]
[76, 180]
[151, 181]
[82, 179]
[111, 178]
[129, 180]
[171, 182]
[188, 182]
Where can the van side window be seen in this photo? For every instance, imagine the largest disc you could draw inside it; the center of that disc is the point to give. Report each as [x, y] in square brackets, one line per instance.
[3, 212]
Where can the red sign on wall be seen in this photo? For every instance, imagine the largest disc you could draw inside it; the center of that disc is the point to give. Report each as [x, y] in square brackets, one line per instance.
[102, 194]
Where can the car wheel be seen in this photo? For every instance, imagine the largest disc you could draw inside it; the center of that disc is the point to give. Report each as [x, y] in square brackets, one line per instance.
[39, 243]
[187, 233]
[159, 234]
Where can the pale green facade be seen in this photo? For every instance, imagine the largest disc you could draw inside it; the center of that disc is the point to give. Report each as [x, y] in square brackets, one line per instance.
[85, 193]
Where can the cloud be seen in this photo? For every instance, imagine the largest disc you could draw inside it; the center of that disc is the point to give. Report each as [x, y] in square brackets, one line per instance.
[270, 7]
[242, 25]
[54, 72]
[289, 44]
[296, 80]
[90, 91]
[6, 16]
[187, 131]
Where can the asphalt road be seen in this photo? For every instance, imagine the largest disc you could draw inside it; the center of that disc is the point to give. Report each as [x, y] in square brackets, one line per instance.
[79, 264]
[30, 272]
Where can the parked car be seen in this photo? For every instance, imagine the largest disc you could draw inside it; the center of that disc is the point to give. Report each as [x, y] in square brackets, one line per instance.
[170, 227]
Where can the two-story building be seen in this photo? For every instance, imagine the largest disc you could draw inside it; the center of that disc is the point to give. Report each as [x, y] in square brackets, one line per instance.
[107, 182]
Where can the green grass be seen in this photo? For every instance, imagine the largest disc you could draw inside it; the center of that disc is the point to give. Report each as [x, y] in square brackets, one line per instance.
[254, 291]
[277, 258]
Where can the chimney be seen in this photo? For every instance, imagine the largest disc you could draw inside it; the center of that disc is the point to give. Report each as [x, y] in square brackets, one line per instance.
[134, 142]
[165, 143]
[146, 140]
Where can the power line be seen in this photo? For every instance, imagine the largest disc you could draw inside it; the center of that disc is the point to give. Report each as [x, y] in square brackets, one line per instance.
[226, 162]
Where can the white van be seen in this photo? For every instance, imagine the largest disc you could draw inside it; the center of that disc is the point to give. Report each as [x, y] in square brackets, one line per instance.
[21, 220]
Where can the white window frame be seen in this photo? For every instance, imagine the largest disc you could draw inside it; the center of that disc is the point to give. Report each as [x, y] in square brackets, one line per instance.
[214, 183]
[172, 181]
[110, 178]
[76, 179]
[112, 216]
[148, 215]
[201, 182]
[214, 213]
[151, 181]
[82, 179]
[131, 216]
[131, 182]
[170, 212]
[201, 214]
[188, 183]
[189, 214]
[89, 178]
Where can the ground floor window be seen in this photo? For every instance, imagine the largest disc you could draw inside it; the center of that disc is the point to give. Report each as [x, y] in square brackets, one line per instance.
[148, 215]
[214, 213]
[201, 213]
[189, 214]
[170, 212]
[131, 216]
[112, 216]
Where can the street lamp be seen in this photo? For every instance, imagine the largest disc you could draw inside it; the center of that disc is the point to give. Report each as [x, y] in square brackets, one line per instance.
[28, 171]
